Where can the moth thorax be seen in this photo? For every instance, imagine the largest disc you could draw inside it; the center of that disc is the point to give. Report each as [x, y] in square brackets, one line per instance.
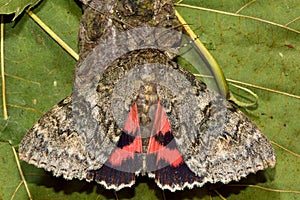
[146, 101]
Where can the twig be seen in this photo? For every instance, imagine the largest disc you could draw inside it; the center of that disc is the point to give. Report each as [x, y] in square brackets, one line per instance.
[244, 6]
[264, 88]
[265, 188]
[240, 103]
[292, 21]
[22, 79]
[285, 149]
[25, 108]
[116, 195]
[223, 198]
[16, 190]
[239, 15]
[21, 172]
[5, 115]
[53, 35]
[214, 66]
[254, 86]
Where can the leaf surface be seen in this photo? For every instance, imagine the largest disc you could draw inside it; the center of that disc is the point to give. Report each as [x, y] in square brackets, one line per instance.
[16, 6]
[39, 74]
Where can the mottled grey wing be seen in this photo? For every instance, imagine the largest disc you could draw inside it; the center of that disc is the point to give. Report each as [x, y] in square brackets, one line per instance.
[218, 142]
[53, 144]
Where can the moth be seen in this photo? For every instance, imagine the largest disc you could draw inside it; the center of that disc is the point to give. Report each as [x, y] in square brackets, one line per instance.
[134, 111]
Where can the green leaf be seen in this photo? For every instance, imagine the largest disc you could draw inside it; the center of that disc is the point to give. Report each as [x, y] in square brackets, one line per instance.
[16, 6]
[40, 74]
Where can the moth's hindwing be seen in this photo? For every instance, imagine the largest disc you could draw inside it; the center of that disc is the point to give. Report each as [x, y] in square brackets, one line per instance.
[123, 164]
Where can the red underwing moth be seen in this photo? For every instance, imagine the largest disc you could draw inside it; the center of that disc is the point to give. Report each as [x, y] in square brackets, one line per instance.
[134, 111]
